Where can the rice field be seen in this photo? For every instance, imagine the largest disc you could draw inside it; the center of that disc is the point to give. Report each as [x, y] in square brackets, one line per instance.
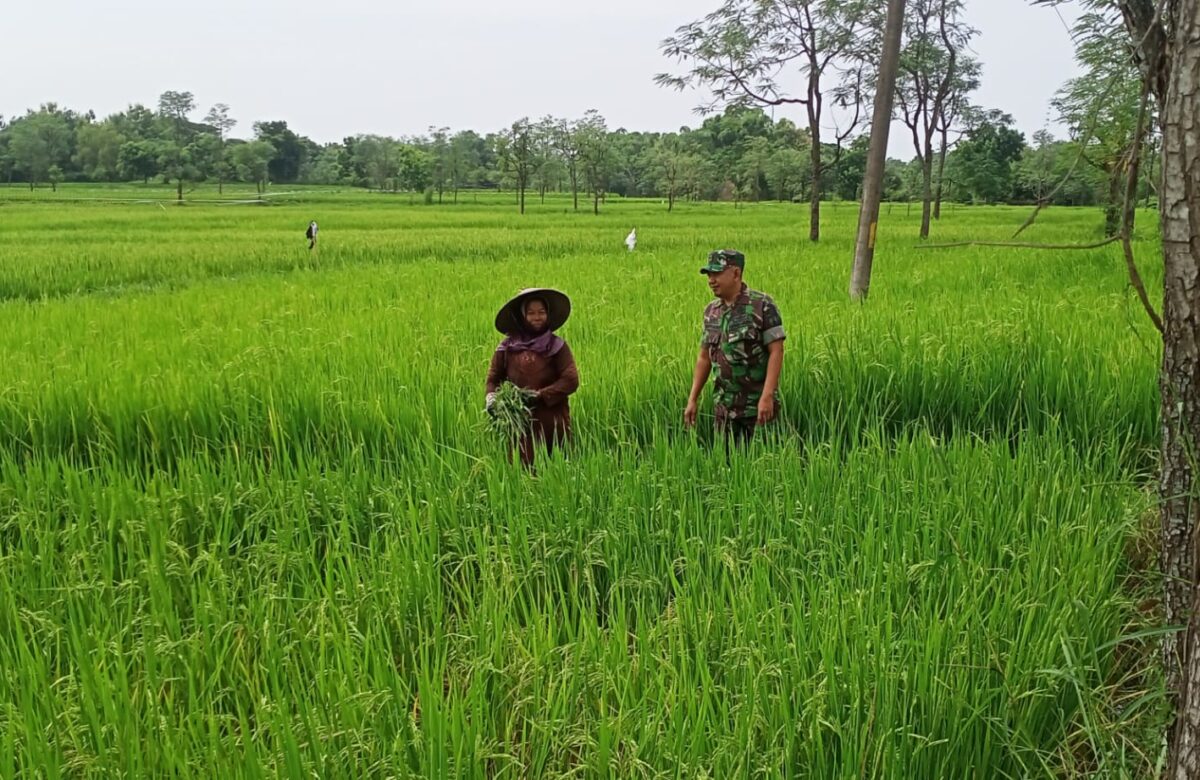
[253, 523]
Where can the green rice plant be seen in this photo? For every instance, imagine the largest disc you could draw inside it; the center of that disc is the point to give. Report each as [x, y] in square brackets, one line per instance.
[251, 523]
[508, 412]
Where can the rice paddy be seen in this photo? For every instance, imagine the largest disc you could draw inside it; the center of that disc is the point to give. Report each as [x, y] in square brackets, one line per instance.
[253, 521]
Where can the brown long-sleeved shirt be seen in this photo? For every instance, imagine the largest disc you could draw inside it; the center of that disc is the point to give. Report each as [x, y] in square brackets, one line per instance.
[555, 378]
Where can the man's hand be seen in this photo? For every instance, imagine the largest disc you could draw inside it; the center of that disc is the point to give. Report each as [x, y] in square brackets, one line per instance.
[689, 413]
[766, 410]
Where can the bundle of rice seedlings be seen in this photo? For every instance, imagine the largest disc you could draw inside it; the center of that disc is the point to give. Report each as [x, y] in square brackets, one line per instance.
[510, 414]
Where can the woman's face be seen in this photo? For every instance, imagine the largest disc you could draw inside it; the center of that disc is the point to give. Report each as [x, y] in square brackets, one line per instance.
[536, 316]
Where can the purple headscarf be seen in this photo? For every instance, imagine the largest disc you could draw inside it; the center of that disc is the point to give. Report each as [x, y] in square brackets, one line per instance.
[545, 344]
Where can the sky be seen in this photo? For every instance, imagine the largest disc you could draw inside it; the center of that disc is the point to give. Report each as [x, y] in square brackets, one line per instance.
[397, 67]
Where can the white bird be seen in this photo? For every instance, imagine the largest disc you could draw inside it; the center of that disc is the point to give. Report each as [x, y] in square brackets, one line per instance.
[631, 239]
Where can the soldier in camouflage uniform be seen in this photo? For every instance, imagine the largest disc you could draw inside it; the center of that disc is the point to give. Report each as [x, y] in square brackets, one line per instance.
[743, 339]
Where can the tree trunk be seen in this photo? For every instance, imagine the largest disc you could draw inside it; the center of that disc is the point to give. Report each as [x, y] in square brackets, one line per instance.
[881, 122]
[1180, 383]
[575, 188]
[670, 199]
[814, 201]
[937, 198]
[1112, 209]
[179, 189]
[926, 189]
[596, 204]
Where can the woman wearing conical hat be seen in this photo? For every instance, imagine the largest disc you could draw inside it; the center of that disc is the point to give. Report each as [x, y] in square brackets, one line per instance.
[533, 357]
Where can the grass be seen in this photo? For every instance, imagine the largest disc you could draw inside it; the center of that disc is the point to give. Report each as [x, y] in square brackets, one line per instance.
[251, 522]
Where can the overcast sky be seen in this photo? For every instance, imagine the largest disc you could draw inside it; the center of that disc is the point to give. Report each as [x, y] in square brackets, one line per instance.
[395, 67]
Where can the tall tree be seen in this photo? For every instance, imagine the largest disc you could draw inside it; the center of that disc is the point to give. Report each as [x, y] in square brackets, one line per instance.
[464, 159]
[595, 155]
[987, 156]
[40, 141]
[1162, 37]
[174, 156]
[930, 67]
[439, 153]
[518, 154]
[881, 122]
[1100, 107]
[291, 150]
[743, 52]
[98, 150]
[219, 119]
[958, 107]
[252, 161]
[566, 143]
[670, 160]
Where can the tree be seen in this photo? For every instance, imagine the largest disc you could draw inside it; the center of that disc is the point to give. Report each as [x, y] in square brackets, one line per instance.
[326, 168]
[378, 157]
[412, 169]
[40, 140]
[174, 158]
[565, 140]
[741, 50]
[595, 155]
[291, 150]
[881, 121]
[6, 158]
[931, 65]
[517, 151]
[252, 160]
[218, 118]
[670, 162]
[139, 159]
[966, 81]
[1162, 37]
[98, 150]
[1100, 107]
[439, 154]
[986, 158]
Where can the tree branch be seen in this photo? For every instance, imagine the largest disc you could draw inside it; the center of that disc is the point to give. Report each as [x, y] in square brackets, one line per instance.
[1020, 245]
[1132, 165]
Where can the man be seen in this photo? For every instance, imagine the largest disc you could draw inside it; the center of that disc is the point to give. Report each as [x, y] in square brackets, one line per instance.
[743, 338]
[311, 234]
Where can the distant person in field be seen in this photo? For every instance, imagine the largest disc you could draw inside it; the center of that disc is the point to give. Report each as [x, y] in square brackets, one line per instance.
[533, 357]
[743, 341]
[311, 234]
[631, 239]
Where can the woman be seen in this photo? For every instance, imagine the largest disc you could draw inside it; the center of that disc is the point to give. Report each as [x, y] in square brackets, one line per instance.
[533, 358]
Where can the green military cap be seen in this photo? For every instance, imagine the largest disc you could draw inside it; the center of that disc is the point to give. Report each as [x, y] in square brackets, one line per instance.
[721, 259]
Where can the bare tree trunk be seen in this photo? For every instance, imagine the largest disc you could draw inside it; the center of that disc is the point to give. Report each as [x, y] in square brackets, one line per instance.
[814, 201]
[868, 216]
[937, 198]
[926, 189]
[1180, 382]
[575, 188]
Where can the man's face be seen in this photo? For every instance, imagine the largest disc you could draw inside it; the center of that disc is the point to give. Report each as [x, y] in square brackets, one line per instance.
[726, 283]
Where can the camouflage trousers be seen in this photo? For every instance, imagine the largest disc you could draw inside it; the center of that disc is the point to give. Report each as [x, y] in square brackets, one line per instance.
[736, 431]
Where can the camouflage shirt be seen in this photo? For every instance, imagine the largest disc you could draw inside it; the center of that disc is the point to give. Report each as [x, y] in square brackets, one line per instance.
[736, 337]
